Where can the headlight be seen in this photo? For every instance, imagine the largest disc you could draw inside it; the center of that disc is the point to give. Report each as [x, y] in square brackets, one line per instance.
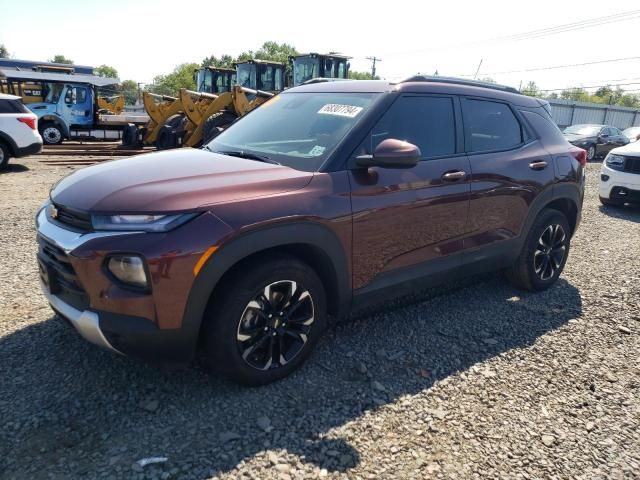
[144, 223]
[128, 269]
[615, 162]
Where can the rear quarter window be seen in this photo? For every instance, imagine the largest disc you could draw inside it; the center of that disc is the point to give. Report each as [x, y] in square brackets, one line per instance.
[490, 126]
[12, 106]
[544, 127]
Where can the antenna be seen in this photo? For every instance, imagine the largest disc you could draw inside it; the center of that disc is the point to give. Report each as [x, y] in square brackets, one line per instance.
[478, 70]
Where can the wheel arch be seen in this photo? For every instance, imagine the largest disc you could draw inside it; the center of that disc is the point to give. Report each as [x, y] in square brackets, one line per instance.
[9, 142]
[565, 197]
[311, 243]
[57, 121]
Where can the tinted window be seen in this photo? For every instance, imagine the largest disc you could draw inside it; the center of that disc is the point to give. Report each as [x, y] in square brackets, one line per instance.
[615, 131]
[12, 106]
[427, 122]
[490, 126]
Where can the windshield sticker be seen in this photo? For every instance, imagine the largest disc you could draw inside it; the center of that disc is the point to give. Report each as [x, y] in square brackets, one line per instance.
[349, 111]
[317, 151]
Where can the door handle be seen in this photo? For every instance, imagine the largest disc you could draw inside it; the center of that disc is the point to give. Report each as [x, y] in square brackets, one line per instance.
[538, 165]
[454, 176]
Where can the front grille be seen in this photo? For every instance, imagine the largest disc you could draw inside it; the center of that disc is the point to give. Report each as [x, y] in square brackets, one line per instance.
[73, 218]
[58, 275]
[632, 164]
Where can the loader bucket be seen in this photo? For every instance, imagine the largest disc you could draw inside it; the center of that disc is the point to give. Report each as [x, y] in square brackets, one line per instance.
[159, 108]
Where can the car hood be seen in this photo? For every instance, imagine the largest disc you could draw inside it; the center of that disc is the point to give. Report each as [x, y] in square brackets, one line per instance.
[172, 181]
[630, 149]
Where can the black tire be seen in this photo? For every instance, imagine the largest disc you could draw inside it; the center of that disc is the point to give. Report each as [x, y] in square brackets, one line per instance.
[215, 124]
[130, 135]
[530, 271]
[5, 155]
[230, 316]
[51, 133]
[610, 203]
[592, 153]
[169, 135]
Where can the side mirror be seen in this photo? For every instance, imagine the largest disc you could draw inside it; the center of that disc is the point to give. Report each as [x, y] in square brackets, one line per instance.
[391, 153]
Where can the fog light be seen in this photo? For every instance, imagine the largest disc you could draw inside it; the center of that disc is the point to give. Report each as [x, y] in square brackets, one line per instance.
[604, 177]
[129, 269]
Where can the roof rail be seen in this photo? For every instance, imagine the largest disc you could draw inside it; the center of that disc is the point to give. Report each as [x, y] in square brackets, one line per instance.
[324, 80]
[459, 81]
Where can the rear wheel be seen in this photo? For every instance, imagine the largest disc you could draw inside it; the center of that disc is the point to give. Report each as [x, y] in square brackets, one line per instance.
[169, 135]
[51, 134]
[4, 155]
[544, 252]
[265, 321]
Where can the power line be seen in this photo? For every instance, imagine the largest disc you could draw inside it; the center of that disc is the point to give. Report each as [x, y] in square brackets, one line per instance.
[543, 32]
[554, 67]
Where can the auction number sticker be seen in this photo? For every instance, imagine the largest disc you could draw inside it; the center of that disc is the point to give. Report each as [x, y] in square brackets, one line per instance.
[349, 111]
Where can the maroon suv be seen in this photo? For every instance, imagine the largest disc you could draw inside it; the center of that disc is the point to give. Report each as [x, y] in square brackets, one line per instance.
[328, 197]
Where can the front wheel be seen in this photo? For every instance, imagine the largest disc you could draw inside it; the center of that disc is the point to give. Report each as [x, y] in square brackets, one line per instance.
[4, 155]
[264, 323]
[544, 252]
[591, 152]
[51, 134]
[610, 203]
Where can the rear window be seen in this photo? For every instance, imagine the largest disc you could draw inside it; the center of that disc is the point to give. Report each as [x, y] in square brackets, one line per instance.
[12, 106]
[490, 126]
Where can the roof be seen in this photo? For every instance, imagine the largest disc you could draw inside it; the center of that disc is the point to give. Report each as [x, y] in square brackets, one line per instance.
[31, 64]
[14, 73]
[444, 88]
[332, 54]
[257, 60]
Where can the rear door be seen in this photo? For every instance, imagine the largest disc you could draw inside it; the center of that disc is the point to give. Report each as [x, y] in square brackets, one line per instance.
[406, 217]
[509, 169]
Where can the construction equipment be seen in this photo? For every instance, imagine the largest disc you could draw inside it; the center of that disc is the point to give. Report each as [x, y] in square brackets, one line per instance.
[215, 79]
[113, 104]
[195, 117]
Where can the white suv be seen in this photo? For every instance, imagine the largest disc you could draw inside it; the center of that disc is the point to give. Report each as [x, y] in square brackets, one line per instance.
[19, 135]
[620, 176]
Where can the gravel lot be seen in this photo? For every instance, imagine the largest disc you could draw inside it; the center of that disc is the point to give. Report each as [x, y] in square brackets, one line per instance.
[473, 381]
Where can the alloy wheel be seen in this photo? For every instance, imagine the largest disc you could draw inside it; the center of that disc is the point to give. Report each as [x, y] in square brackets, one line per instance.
[550, 252]
[275, 325]
[591, 153]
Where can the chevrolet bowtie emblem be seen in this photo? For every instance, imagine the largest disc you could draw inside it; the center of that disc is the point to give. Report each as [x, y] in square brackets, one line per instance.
[53, 211]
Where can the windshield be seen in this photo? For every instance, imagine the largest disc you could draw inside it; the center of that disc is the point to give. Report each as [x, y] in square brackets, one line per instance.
[247, 75]
[203, 80]
[299, 130]
[53, 91]
[304, 68]
[583, 129]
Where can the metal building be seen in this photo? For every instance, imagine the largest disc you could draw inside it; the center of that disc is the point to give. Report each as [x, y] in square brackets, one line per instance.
[569, 112]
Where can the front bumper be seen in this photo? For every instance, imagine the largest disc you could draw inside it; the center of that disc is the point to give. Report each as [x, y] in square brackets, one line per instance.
[87, 323]
[617, 182]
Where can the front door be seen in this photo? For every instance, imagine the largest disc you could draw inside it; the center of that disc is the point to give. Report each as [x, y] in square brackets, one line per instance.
[76, 105]
[403, 218]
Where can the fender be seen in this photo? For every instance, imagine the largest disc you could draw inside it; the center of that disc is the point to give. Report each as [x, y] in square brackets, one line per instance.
[239, 248]
[58, 122]
[9, 142]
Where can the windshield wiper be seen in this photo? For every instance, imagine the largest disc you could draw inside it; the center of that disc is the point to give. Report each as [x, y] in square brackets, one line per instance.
[247, 155]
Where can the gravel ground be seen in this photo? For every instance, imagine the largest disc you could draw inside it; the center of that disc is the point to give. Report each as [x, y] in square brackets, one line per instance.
[474, 381]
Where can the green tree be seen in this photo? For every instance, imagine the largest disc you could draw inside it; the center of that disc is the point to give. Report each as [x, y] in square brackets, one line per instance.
[181, 77]
[129, 89]
[106, 71]
[277, 52]
[61, 59]
[224, 61]
[531, 90]
[4, 53]
[356, 75]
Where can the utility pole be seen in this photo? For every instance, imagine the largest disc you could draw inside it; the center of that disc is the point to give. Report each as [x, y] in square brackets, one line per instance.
[478, 70]
[373, 66]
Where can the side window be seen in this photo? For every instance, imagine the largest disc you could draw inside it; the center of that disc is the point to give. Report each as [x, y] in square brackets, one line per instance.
[615, 131]
[490, 126]
[427, 122]
[81, 95]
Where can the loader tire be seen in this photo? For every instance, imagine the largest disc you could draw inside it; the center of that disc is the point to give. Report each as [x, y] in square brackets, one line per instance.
[129, 135]
[215, 124]
[168, 137]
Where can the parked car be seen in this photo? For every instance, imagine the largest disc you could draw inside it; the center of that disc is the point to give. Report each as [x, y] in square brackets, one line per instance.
[597, 140]
[19, 135]
[632, 133]
[620, 176]
[327, 198]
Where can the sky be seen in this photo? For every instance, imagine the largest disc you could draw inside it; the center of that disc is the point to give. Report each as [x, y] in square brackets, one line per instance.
[144, 38]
